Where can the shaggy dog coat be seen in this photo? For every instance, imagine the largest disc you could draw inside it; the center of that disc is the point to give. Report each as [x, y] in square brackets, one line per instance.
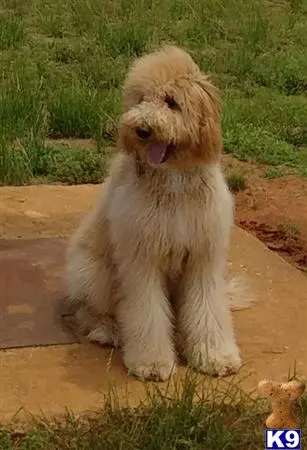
[149, 259]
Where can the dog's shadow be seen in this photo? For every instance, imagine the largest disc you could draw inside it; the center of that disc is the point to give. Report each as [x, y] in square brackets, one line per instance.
[90, 366]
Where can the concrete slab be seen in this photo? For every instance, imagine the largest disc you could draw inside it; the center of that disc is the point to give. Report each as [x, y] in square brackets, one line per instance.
[272, 334]
[32, 289]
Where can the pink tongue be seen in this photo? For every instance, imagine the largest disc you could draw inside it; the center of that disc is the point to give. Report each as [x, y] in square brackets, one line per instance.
[156, 153]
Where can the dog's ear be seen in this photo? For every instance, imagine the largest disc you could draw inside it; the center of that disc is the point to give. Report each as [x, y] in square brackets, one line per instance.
[210, 138]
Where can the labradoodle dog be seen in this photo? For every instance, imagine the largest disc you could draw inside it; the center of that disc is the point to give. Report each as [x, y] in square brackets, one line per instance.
[150, 257]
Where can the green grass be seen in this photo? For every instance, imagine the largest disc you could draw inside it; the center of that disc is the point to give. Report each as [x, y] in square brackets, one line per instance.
[33, 162]
[273, 172]
[63, 63]
[11, 31]
[195, 417]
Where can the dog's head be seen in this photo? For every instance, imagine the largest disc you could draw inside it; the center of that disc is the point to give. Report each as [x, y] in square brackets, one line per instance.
[171, 113]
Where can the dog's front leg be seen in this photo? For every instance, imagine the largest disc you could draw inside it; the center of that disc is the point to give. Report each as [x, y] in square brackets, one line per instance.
[145, 321]
[205, 320]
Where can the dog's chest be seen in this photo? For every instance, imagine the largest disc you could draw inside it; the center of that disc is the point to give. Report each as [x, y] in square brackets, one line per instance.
[169, 221]
[184, 224]
[178, 221]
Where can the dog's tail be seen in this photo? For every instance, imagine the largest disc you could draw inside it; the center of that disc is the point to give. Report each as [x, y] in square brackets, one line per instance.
[239, 293]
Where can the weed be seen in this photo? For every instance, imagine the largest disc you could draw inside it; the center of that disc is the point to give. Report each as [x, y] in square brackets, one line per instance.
[290, 230]
[236, 182]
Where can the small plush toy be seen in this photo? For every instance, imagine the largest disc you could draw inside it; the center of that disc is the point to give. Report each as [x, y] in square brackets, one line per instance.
[284, 398]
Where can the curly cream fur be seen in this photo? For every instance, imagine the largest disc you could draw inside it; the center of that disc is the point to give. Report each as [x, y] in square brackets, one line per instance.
[150, 257]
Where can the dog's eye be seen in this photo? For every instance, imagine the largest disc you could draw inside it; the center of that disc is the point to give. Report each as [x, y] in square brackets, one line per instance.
[171, 103]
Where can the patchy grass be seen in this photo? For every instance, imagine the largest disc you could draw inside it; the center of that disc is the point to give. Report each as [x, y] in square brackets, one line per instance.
[63, 63]
[291, 230]
[273, 172]
[236, 182]
[194, 417]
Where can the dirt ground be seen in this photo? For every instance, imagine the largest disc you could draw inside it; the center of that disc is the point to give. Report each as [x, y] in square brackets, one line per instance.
[273, 210]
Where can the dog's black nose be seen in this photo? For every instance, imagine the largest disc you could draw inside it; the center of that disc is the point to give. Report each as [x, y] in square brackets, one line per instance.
[143, 132]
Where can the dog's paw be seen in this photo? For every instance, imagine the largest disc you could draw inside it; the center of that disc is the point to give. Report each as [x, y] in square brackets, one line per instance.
[215, 362]
[156, 371]
[104, 335]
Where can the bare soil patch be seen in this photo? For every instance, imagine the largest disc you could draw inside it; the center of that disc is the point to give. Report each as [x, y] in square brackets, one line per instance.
[274, 210]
